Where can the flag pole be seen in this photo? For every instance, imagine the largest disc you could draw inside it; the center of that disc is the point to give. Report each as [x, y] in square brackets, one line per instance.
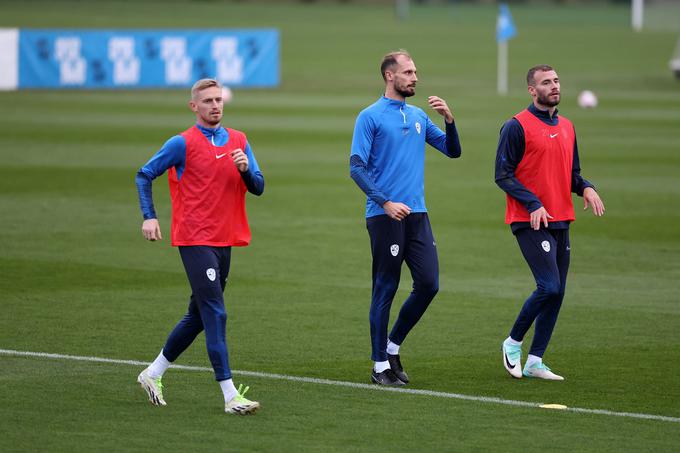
[505, 30]
[503, 68]
[637, 14]
[402, 7]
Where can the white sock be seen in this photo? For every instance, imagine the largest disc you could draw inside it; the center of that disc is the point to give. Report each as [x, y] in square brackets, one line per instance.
[509, 340]
[158, 367]
[392, 348]
[381, 366]
[228, 390]
[531, 359]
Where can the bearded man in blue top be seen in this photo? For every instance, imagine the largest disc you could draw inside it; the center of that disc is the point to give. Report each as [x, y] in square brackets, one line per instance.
[387, 162]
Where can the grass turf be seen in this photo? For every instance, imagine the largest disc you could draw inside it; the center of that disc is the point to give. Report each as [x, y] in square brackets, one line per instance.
[77, 278]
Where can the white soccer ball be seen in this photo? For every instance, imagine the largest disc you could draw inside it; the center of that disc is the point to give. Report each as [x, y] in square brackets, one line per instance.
[587, 99]
[227, 95]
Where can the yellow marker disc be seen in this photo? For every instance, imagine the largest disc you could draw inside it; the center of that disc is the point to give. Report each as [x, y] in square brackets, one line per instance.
[553, 406]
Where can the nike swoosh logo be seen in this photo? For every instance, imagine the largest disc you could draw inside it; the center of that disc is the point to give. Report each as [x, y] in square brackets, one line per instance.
[553, 135]
[507, 362]
[220, 156]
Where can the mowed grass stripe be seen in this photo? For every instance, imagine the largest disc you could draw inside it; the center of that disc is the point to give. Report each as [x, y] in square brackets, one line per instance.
[309, 380]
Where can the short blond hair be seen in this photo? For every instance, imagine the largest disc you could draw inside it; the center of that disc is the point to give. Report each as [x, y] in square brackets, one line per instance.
[203, 84]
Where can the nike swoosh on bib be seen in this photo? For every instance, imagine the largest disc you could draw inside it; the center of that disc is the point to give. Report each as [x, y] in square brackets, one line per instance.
[219, 156]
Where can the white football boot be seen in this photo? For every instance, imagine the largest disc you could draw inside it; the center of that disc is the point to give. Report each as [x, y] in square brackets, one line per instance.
[152, 387]
[240, 404]
[512, 359]
[541, 371]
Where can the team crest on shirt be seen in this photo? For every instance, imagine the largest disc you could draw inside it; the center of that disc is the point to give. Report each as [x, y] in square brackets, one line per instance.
[545, 245]
[418, 127]
[210, 272]
[394, 249]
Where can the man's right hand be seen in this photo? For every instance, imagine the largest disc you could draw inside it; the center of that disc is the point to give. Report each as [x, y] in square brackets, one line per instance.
[151, 230]
[396, 211]
[539, 216]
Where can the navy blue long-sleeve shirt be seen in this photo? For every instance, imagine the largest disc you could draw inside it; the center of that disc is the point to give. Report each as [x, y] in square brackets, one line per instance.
[510, 153]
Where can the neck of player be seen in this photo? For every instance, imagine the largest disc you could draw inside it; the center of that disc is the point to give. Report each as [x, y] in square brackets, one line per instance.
[545, 108]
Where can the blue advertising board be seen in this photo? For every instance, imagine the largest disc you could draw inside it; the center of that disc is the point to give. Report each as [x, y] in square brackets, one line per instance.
[146, 58]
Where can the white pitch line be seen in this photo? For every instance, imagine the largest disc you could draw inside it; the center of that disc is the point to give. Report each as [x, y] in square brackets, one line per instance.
[309, 380]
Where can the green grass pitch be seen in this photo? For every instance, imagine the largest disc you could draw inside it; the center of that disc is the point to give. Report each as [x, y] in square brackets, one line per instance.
[76, 276]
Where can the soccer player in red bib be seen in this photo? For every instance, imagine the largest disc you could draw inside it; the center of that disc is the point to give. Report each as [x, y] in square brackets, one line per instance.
[537, 165]
[210, 168]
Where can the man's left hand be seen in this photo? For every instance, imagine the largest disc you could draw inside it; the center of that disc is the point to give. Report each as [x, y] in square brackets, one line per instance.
[591, 198]
[440, 106]
[240, 160]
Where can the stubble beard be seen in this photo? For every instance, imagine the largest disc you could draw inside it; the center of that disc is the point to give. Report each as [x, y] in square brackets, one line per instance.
[212, 122]
[545, 100]
[407, 94]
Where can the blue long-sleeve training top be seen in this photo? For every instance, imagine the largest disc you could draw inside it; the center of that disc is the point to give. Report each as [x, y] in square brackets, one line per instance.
[509, 154]
[173, 154]
[387, 159]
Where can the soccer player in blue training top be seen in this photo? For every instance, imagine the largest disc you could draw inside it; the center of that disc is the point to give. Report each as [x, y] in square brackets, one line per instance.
[210, 168]
[537, 165]
[387, 163]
